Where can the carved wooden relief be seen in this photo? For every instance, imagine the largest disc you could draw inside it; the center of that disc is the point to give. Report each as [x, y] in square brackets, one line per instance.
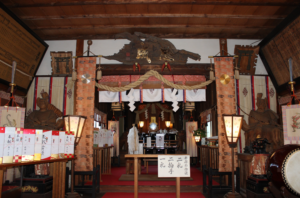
[152, 50]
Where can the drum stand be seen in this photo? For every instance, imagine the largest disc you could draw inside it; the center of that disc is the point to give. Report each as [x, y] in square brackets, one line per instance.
[282, 193]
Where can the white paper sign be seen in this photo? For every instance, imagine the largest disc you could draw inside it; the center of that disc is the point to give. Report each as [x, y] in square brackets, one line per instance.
[174, 166]
[160, 140]
[148, 142]
[46, 145]
[101, 138]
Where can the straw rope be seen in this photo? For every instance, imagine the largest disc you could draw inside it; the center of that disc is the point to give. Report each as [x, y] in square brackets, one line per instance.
[156, 75]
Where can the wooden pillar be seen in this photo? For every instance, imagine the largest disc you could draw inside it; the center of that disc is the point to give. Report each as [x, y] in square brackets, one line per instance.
[177, 187]
[59, 172]
[136, 179]
[226, 105]
[223, 47]
[1, 181]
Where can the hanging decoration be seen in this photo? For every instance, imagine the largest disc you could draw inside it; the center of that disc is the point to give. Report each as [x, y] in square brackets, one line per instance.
[131, 100]
[166, 65]
[141, 93]
[146, 114]
[99, 72]
[174, 100]
[162, 93]
[162, 115]
[136, 66]
[137, 117]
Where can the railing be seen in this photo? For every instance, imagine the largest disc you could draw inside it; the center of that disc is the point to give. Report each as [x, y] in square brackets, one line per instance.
[168, 143]
[209, 156]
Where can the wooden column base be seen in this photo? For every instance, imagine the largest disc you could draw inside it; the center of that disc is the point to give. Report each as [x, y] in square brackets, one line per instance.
[73, 195]
[232, 195]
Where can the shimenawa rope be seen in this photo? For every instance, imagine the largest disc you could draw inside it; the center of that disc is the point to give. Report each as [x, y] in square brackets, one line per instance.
[156, 75]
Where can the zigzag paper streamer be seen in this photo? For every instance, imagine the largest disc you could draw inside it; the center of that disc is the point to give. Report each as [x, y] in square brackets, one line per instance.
[146, 114]
[131, 100]
[162, 116]
[174, 100]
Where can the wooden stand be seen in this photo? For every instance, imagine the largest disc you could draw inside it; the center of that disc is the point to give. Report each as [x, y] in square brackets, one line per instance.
[245, 165]
[136, 179]
[59, 172]
[101, 157]
[209, 156]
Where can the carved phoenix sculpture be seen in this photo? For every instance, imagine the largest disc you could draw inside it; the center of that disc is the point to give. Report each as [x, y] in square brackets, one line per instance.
[152, 50]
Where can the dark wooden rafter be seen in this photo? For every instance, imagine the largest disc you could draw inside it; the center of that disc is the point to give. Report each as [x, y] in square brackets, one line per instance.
[194, 2]
[152, 26]
[187, 69]
[152, 15]
[166, 36]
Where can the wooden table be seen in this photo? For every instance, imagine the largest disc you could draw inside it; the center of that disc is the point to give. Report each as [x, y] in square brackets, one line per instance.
[136, 179]
[59, 174]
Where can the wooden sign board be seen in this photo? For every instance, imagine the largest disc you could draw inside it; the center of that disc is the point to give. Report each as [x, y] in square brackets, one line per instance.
[174, 166]
[61, 63]
[247, 58]
[280, 45]
[18, 43]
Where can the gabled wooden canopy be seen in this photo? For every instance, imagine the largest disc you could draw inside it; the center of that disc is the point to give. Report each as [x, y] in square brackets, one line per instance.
[85, 19]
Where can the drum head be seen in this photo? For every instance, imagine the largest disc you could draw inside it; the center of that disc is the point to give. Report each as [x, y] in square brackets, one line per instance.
[291, 171]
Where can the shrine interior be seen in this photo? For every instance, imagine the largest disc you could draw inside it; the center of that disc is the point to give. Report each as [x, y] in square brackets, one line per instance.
[149, 98]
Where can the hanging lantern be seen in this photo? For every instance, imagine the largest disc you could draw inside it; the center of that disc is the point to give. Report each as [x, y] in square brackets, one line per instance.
[188, 106]
[167, 124]
[116, 106]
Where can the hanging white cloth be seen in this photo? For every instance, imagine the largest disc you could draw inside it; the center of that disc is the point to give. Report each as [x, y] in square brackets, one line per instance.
[133, 141]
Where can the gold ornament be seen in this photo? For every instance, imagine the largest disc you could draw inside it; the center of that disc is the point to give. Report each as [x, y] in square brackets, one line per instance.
[224, 79]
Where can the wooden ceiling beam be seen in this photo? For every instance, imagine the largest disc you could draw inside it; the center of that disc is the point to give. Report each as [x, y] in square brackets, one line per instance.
[166, 36]
[187, 69]
[72, 27]
[152, 15]
[27, 4]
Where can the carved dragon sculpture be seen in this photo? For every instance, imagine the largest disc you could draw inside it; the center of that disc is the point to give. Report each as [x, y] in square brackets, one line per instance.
[152, 50]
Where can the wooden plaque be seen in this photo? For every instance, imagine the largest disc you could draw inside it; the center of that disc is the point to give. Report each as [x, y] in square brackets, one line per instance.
[278, 47]
[18, 43]
[61, 63]
[247, 59]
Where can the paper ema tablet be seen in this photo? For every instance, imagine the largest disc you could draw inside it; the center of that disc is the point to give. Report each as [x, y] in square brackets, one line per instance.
[61, 144]
[9, 143]
[18, 145]
[28, 145]
[2, 131]
[101, 138]
[54, 145]
[96, 138]
[174, 166]
[46, 145]
[69, 144]
[38, 144]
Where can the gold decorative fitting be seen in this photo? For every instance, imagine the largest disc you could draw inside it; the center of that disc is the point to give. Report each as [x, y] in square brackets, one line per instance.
[224, 79]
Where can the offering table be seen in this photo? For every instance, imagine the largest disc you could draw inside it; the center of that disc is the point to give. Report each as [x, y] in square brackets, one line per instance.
[59, 174]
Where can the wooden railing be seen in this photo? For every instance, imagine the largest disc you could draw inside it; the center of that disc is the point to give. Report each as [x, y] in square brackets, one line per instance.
[168, 143]
[209, 156]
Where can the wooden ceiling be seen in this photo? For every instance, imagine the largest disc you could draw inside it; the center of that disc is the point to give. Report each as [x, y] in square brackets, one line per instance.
[90, 19]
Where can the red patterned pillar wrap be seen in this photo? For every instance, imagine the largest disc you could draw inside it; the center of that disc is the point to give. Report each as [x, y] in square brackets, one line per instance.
[85, 93]
[226, 105]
